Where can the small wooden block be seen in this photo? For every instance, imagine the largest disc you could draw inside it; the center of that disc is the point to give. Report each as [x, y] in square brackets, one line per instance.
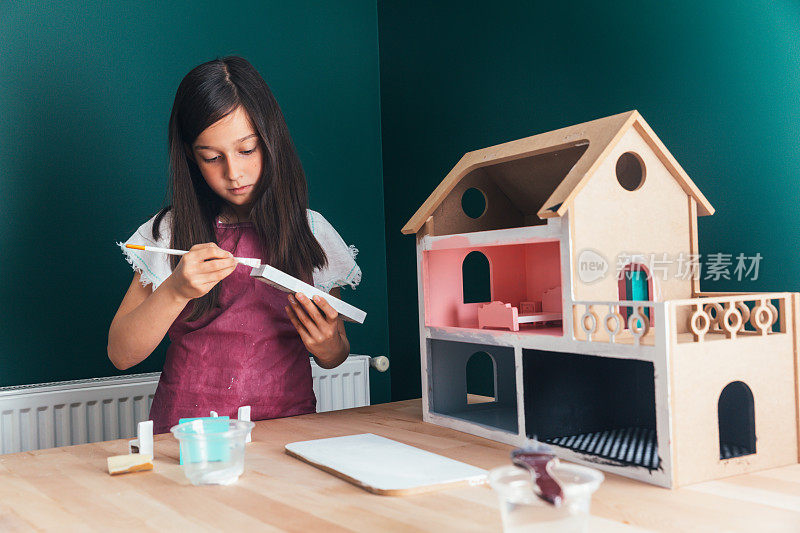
[132, 462]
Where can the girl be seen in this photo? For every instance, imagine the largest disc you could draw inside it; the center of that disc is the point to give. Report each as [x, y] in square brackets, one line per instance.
[238, 189]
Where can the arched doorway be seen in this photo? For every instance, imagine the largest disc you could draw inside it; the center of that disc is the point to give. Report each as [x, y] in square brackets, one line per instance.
[635, 284]
[476, 278]
[481, 377]
[737, 423]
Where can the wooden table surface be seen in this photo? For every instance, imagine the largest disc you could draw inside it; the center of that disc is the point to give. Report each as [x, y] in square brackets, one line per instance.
[69, 488]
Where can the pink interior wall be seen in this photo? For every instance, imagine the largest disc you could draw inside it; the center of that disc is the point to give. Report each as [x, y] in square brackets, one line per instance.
[442, 286]
[543, 265]
[518, 272]
[508, 273]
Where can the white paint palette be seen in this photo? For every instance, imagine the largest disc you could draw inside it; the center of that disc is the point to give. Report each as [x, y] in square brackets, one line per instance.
[283, 281]
[383, 466]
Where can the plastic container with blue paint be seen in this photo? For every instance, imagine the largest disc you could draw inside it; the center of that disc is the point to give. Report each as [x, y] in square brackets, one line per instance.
[212, 449]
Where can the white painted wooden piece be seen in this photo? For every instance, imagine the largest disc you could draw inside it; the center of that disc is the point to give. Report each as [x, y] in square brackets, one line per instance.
[384, 466]
[283, 281]
[244, 414]
[143, 443]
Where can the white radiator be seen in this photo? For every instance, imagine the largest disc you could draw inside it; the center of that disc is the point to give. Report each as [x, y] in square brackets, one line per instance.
[47, 415]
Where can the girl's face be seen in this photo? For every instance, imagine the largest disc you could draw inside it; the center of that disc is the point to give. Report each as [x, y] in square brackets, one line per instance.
[230, 158]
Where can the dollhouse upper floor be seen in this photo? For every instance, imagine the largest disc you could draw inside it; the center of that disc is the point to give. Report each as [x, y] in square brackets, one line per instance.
[532, 238]
[495, 280]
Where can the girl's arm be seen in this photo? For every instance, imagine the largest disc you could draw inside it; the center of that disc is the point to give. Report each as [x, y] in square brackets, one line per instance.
[144, 316]
[142, 320]
[320, 327]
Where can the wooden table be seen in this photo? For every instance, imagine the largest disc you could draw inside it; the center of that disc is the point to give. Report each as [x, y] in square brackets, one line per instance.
[69, 488]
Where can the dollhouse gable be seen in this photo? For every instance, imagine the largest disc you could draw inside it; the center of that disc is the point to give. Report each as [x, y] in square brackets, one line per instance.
[564, 195]
[527, 181]
[637, 212]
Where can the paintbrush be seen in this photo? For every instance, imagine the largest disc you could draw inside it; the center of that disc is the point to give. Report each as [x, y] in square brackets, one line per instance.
[249, 261]
[538, 459]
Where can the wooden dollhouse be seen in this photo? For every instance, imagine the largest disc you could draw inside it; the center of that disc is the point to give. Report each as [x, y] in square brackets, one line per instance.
[598, 342]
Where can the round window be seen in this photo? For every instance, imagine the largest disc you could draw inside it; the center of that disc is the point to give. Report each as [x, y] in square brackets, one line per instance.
[630, 171]
[473, 202]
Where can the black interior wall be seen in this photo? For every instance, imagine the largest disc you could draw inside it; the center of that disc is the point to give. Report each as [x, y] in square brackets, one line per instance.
[570, 394]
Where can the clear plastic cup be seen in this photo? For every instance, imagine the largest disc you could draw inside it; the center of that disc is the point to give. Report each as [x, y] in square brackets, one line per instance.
[212, 454]
[522, 510]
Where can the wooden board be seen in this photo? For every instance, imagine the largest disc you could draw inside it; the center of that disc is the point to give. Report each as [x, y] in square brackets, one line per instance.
[384, 466]
[283, 281]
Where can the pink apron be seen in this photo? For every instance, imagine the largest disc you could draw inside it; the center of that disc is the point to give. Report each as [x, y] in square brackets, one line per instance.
[246, 352]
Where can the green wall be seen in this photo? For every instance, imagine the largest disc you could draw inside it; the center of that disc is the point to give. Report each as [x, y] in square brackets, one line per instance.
[85, 94]
[718, 81]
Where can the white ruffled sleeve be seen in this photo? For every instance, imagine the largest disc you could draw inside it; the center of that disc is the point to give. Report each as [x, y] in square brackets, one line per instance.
[341, 269]
[154, 267]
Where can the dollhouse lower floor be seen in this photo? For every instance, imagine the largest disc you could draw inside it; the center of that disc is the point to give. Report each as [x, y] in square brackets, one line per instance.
[671, 404]
[593, 405]
[610, 410]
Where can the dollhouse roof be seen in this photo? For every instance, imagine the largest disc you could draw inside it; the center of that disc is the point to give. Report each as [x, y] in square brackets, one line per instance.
[559, 190]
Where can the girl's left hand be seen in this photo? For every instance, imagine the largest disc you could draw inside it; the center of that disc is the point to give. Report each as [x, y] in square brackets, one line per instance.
[320, 327]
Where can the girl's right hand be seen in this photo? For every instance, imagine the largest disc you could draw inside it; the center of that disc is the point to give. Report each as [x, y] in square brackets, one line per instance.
[199, 269]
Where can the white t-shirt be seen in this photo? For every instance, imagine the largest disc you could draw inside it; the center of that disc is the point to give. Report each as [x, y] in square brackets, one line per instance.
[155, 267]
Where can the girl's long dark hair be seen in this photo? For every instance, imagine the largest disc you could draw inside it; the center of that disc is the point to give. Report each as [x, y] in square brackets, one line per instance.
[208, 93]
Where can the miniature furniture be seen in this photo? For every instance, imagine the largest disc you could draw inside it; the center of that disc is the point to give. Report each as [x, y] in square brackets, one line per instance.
[500, 315]
[645, 375]
[530, 308]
